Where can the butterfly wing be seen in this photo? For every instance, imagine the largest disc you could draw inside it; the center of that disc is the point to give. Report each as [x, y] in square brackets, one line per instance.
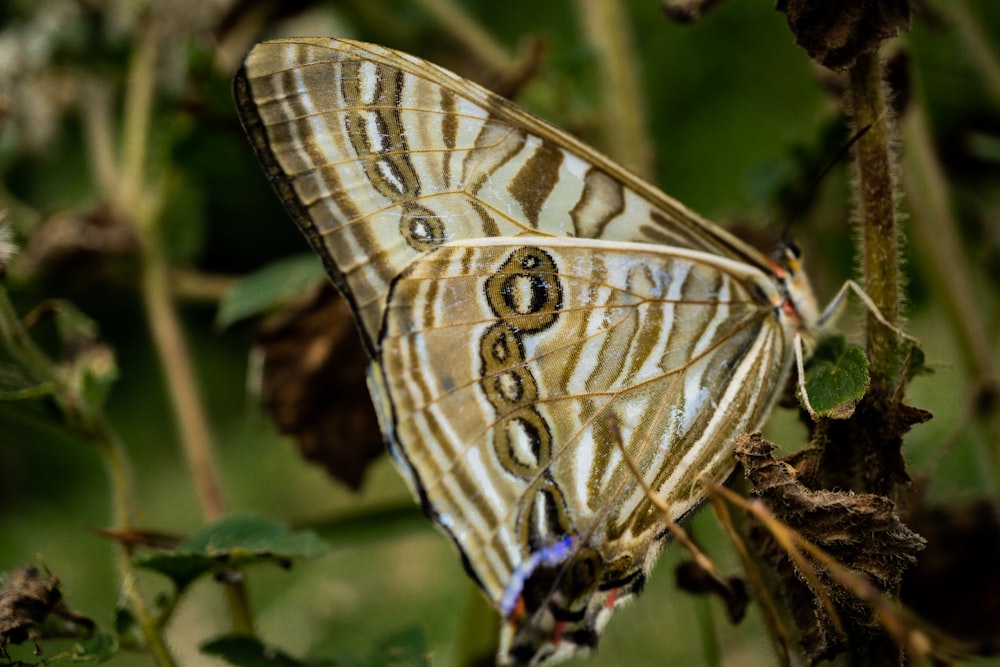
[528, 305]
[381, 156]
[510, 370]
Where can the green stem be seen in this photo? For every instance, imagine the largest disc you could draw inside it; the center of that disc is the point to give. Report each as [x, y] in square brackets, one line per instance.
[477, 40]
[978, 46]
[624, 112]
[118, 471]
[98, 431]
[137, 115]
[175, 360]
[710, 654]
[876, 192]
[936, 237]
[141, 205]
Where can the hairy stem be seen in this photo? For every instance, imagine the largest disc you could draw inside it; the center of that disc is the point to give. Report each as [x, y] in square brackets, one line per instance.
[121, 484]
[876, 193]
[878, 453]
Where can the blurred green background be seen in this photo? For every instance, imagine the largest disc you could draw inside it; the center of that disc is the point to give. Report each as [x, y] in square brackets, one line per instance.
[736, 113]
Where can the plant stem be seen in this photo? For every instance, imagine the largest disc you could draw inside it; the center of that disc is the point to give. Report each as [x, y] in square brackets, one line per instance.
[977, 45]
[876, 193]
[624, 112]
[935, 235]
[140, 204]
[100, 433]
[121, 484]
[877, 453]
[477, 40]
[175, 360]
[137, 115]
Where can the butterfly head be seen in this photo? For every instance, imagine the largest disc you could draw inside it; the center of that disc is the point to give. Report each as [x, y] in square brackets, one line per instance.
[799, 300]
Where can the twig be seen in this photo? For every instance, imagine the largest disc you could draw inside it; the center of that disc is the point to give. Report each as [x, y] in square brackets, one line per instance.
[142, 205]
[97, 431]
[934, 225]
[478, 41]
[624, 107]
[977, 45]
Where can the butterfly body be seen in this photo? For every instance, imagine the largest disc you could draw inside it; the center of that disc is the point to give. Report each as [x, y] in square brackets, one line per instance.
[536, 316]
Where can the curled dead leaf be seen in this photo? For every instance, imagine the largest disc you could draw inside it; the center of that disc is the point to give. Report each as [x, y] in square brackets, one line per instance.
[836, 32]
[27, 598]
[314, 386]
[861, 531]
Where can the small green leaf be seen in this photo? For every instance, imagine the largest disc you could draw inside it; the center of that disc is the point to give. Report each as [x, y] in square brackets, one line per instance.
[250, 652]
[264, 289]
[17, 384]
[837, 377]
[100, 647]
[93, 371]
[89, 365]
[72, 324]
[253, 536]
[181, 568]
[229, 544]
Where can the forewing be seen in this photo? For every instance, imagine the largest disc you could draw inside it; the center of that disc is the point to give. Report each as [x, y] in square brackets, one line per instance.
[381, 156]
[509, 370]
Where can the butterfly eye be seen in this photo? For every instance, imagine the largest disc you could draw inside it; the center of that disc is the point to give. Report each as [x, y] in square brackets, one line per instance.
[793, 249]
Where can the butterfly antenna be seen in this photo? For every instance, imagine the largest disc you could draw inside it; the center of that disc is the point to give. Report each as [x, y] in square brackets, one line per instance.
[814, 184]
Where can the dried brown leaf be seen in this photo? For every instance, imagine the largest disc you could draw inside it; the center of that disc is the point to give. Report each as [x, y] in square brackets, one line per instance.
[27, 598]
[68, 246]
[314, 386]
[836, 32]
[861, 531]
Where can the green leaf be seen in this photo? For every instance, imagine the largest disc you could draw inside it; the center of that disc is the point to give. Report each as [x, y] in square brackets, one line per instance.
[100, 647]
[836, 377]
[256, 536]
[72, 324]
[246, 651]
[181, 568]
[231, 543]
[264, 289]
[90, 365]
[17, 384]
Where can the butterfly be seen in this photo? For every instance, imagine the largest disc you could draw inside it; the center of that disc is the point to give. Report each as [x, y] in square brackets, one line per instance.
[538, 319]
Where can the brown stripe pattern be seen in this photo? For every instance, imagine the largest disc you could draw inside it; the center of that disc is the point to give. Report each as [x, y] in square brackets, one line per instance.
[527, 304]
